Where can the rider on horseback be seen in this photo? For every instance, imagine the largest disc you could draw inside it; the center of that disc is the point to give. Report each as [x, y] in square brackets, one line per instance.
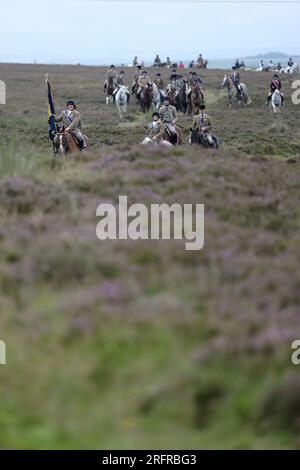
[169, 62]
[203, 123]
[168, 115]
[194, 81]
[179, 85]
[110, 75]
[143, 81]
[137, 74]
[70, 118]
[120, 81]
[236, 80]
[157, 61]
[160, 84]
[275, 85]
[200, 61]
[155, 127]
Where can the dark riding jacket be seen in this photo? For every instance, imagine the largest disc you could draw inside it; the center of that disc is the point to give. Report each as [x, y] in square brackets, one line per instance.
[275, 85]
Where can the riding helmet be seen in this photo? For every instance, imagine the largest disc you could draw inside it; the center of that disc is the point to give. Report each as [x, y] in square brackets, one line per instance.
[71, 102]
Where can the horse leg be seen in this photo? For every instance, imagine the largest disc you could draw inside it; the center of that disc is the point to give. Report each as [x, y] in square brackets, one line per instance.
[119, 110]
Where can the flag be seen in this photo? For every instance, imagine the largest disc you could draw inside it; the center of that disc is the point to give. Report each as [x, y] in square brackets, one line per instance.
[51, 111]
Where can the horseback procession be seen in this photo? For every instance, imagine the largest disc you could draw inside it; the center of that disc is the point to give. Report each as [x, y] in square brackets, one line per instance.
[183, 95]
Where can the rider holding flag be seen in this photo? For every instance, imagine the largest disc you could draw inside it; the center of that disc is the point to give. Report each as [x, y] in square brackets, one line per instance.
[70, 118]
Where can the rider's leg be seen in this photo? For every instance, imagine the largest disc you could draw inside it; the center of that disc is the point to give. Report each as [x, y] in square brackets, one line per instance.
[269, 98]
[114, 93]
[80, 139]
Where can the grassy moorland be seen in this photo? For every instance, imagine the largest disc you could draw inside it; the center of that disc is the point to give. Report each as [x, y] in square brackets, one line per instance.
[141, 344]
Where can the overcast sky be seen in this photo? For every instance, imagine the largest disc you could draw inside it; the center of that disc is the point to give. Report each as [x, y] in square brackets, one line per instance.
[97, 31]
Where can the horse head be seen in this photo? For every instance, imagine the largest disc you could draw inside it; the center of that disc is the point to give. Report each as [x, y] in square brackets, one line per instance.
[122, 94]
[194, 136]
[61, 141]
[225, 80]
[276, 98]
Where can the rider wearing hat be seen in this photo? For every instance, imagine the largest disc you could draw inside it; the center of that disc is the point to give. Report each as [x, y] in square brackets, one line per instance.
[168, 115]
[155, 127]
[120, 81]
[202, 121]
[179, 84]
[71, 121]
[143, 81]
[157, 61]
[160, 84]
[137, 74]
[236, 79]
[111, 73]
[274, 85]
[194, 80]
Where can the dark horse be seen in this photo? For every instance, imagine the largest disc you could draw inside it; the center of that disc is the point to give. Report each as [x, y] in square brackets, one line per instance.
[146, 98]
[206, 140]
[110, 88]
[180, 101]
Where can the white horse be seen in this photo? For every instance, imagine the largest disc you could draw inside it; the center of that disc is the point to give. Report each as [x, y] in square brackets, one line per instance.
[241, 97]
[276, 101]
[293, 69]
[162, 143]
[122, 98]
[157, 98]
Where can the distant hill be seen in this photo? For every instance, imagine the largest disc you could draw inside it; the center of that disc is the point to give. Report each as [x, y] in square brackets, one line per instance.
[269, 55]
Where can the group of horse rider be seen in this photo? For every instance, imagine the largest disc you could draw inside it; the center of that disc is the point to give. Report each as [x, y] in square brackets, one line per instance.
[274, 85]
[163, 120]
[142, 80]
[118, 79]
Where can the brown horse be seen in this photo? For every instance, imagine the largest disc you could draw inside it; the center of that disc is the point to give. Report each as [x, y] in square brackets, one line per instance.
[173, 139]
[195, 100]
[65, 143]
[145, 98]
[171, 92]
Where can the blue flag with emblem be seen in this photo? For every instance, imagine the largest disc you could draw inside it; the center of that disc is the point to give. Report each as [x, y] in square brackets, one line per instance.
[51, 111]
